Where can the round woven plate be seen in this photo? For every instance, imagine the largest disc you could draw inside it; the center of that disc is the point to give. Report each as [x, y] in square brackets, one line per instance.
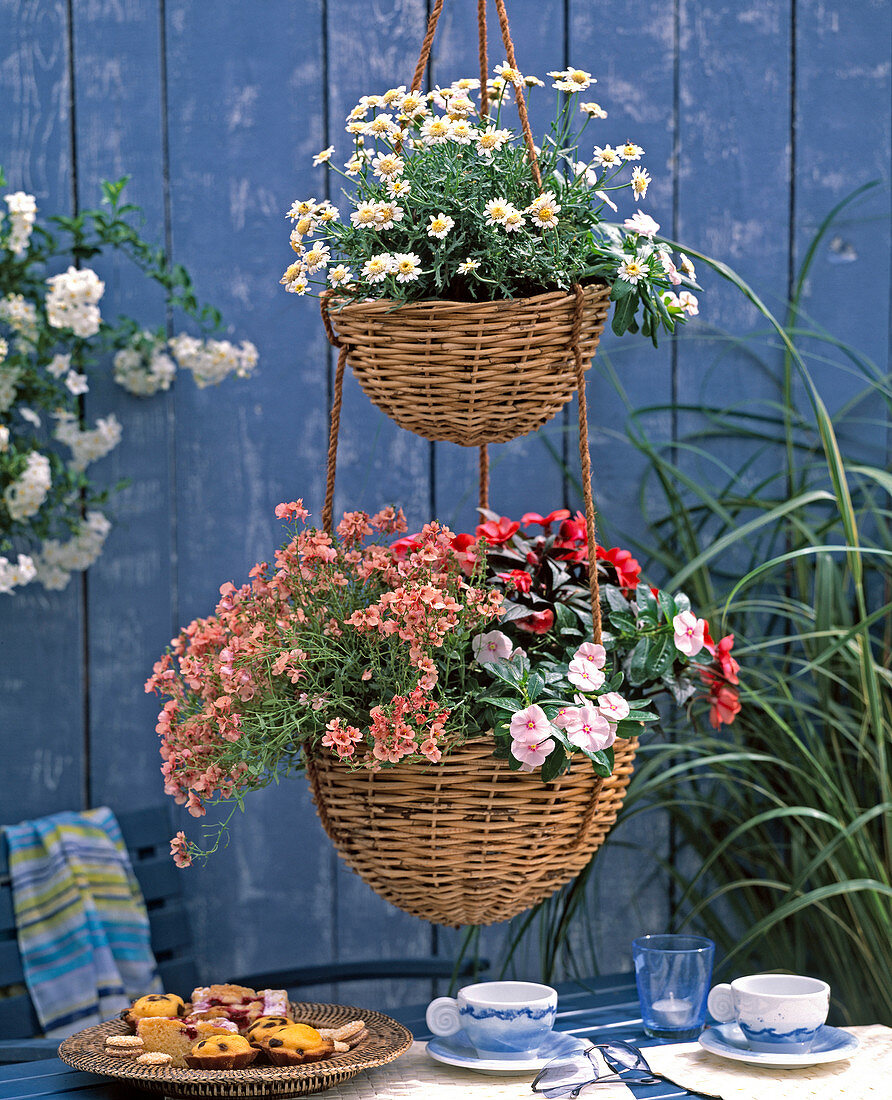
[386, 1041]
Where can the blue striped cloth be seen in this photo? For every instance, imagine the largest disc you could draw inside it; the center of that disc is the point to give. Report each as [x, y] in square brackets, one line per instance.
[82, 925]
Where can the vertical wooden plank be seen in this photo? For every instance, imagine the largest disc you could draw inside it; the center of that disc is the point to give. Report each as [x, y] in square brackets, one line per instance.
[245, 107]
[843, 60]
[41, 653]
[378, 463]
[119, 132]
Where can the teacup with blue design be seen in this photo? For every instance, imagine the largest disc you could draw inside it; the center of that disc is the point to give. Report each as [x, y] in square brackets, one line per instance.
[777, 1013]
[503, 1020]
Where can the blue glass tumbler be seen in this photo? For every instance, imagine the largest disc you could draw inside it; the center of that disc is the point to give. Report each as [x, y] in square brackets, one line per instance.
[673, 975]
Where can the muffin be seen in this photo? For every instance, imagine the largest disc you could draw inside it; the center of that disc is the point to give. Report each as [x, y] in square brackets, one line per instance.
[154, 1004]
[265, 1026]
[222, 1052]
[295, 1044]
[177, 1037]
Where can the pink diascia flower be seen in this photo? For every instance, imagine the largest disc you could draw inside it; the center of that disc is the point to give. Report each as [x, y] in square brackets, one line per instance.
[689, 633]
[491, 648]
[587, 727]
[584, 673]
[530, 741]
[613, 706]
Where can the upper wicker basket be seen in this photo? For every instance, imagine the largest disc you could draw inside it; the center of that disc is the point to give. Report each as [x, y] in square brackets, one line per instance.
[470, 372]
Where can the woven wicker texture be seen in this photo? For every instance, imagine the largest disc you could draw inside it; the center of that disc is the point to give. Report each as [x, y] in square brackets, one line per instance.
[469, 372]
[467, 841]
[386, 1040]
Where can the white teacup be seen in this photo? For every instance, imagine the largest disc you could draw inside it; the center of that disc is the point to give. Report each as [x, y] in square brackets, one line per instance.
[507, 1020]
[776, 1012]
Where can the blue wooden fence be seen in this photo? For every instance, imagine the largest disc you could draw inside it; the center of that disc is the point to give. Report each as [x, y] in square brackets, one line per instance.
[756, 115]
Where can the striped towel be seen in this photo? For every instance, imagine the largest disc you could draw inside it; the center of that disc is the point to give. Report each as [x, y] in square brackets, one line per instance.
[82, 925]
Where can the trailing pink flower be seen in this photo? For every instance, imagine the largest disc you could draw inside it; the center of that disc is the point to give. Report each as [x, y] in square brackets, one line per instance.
[585, 674]
[613, 706]
[587, 727]
[494, 647]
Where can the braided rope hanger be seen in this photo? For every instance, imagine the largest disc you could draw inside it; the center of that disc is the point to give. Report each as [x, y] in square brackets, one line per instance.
[584, 454]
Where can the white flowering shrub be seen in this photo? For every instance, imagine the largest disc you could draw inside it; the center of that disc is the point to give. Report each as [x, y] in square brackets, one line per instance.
[443, 203]
[53, 338]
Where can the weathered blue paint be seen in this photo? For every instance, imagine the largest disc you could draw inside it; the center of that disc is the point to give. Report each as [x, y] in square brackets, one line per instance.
[755, 117]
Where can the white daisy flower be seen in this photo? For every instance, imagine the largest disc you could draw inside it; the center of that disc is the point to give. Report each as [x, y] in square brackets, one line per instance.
[386, 165]
[544, 214]
[380, 126]
[413, 105]
[640, 180]
[378, 267]
[339, 275]
[359, 111]
[300, 208]
[393, 97]
[491, 141]
[607, 156]
[435, 130]
[440, 224]
[368, 101]
[326, 212]
[323, 157]
[631, 151]
[355, 128]
[398, 187]
[466, 84]
[632, 270]
[496, 211]
[533, 82]
[593, 110]
[606, 199]
[461, 132]
[461, 105]
[507, 74]
[514, 220]
[466, 267]
[363, 217]
[387, 214]
[408, 267]
[316, 257]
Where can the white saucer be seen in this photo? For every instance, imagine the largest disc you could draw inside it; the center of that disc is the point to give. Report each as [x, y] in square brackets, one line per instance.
[456, 1050]
[728, 1041]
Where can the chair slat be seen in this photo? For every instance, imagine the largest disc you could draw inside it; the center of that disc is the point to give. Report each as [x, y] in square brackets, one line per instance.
[170, 929]
[7, 914]
[18, 1020]
[158, 878]
[145, 828]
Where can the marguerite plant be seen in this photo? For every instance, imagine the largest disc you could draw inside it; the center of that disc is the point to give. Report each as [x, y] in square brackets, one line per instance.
[440, 202]
[380, 653]
[53, 334]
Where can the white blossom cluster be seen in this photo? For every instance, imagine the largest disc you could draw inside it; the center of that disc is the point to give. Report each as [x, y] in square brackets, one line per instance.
[212, 360]
[8, 378]
[22, 210]
[57, 560]
[16, 574]
[72, 301]
[24, 496]
[87, 444]
[20, 315]
[4, 438]
[144, 368]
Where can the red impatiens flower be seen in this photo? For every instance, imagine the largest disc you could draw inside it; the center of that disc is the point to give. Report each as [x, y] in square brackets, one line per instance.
[628, 571]
[408, 544]
[521, 580]
[722, 654]
[544, 521]
[724, 703]
[572, 531]
[465, 549]
[497, 534]
[537, 622]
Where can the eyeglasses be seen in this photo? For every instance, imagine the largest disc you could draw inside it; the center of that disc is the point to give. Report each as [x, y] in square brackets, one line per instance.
[565, 1077]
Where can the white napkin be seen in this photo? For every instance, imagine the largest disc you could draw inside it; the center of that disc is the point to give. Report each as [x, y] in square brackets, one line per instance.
[864, 1076]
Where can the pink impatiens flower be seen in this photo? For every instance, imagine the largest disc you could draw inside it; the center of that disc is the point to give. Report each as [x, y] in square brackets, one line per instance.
[491, 648]
[689, 633]
[530, 741]
[587, 727]
[585, 674]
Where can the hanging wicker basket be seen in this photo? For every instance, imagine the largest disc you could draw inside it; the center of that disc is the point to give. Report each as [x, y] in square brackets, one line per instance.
[466, 841]
[470, 372]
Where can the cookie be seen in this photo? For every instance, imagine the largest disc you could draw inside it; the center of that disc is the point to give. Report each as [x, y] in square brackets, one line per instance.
[124, 1046]
[154, 1058]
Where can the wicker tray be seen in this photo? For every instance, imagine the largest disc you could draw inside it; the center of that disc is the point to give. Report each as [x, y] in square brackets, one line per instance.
[386, 1040]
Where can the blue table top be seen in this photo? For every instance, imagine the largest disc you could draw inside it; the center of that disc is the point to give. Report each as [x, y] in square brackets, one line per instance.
[596, 1009]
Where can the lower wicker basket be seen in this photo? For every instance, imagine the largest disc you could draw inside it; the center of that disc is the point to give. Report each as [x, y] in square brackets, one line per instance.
[470, 372]
[467, 841]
